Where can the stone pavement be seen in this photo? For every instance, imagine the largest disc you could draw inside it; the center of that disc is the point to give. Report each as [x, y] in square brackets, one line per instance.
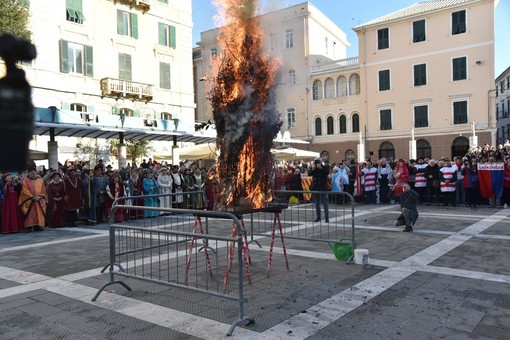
[448, 279]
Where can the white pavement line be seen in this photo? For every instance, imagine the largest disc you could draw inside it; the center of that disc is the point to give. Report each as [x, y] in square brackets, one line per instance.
[50, 243]
[467, 274]
[304, 325]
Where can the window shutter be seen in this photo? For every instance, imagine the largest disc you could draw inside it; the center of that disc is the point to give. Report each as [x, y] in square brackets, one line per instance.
[89, 61]
[134, 25]
[65, 106]
[161, 33]
[120, 20]
[172, 37]
[136, 113]
[64, 63]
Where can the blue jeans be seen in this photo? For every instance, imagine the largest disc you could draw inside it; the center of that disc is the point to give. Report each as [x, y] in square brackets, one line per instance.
[321, 198]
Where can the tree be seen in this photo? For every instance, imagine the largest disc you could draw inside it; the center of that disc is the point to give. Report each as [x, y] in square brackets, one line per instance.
[136, 148]
[14, 18]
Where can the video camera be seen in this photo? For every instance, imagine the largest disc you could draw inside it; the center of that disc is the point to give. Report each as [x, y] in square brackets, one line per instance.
[16, 108]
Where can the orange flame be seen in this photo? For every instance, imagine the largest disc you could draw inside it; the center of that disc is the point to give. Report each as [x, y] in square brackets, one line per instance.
[243, 108]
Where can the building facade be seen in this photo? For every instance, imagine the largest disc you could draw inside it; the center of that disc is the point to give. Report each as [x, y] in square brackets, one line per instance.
[300, 37]
[103, 58]
[503, 107]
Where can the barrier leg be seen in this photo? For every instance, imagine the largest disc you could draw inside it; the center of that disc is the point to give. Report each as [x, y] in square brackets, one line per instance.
[205, 247]
[190, 250]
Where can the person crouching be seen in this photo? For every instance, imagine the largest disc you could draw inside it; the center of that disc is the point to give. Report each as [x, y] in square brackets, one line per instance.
[408, 199]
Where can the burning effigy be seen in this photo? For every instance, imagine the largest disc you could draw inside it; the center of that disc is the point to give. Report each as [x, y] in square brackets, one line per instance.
[244, 111]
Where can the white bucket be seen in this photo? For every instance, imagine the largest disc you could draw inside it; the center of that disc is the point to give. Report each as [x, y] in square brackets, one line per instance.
[361, 256]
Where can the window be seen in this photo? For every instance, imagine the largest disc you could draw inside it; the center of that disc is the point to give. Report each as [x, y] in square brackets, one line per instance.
[214, 53]
[166, 35]
[291, 118]
[127, 24]
[423, 149]
[350, 154]
[124, 66]
[459, 68]
[166, 115]
[420, 75]
[383, 38]
[421, 114]
[126, 112]
[384, 80]
[329, 88]
[317, 90]
[326, 44]
[329, 125]
[460, 112]
[419, 31]
[164, 76]
[343, 124]
[459, 22]
[76, 58]
[502, 86]
[318, 126]
[354, 84]
[341, 86]
[355, 123]
[292, 77]
[272, 41]
[386, 150]
[74, 11]
[385, 118]
[289, 38]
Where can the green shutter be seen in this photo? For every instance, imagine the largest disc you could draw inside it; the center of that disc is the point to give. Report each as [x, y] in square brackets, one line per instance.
[65, 106]
[172, 37]
[89, 61]
[64, 62]
[161, 33]
[134, 25]
[136, 112]
[120, 19]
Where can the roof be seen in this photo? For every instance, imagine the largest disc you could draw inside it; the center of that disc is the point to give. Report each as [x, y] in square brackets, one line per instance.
[65, 123]
[414, 10]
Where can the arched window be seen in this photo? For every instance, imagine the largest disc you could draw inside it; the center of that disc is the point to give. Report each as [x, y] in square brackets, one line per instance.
[423, 149]
[355, 123]
[350, 155]
[324, 155]
[341, 86]
[329, 124]
[317, 90]
[329, 88]
[354, 84]
[460, 146]
[318, 126]
[386, 150]
[343, 124]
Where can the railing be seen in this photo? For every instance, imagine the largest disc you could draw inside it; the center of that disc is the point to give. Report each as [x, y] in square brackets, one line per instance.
[335, 65]
[142, 5]
[118, 88]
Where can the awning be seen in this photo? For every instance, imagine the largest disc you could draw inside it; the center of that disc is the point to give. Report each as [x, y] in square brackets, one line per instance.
[36, 155]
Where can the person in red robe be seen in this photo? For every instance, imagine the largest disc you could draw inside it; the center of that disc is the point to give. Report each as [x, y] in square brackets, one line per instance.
[115, 190]
[55, 214]
[72, 196]
[32, 201]
[401, 176]
[12, 221]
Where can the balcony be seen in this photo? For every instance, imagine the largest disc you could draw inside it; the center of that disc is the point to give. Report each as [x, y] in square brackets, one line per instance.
[125, 89]
[141, 5]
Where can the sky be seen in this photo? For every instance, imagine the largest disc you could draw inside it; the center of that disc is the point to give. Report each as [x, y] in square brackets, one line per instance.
[347, 14]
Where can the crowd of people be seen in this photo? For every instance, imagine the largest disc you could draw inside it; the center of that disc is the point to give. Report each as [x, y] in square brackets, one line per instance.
[76, 193]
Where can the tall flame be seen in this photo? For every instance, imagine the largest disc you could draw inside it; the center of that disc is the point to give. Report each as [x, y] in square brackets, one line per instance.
[243, 103]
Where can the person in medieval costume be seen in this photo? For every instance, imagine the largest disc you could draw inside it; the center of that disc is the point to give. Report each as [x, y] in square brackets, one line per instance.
[55, 215]
[12, 221]
[97, 191]
[32, 201]
[135, 187]
[211, 188]
[150, 188]
[72, 196]
[447, 179]
[114, 191]
[198, 184]
[165, 187]
[400, 175]
[177, 187]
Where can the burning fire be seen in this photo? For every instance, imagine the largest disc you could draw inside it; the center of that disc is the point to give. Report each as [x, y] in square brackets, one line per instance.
[243, 104]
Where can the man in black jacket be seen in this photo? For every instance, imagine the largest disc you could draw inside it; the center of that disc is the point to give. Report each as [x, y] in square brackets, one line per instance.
[320, 173]
[409, 213]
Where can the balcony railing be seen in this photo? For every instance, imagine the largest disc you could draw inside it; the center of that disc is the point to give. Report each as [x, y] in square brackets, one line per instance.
[141, 5]
[336, 65]
[125, 89]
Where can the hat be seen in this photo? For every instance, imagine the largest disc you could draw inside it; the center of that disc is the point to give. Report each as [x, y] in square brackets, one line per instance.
[56, 173]
[108, 166]
[4, 176]
[163, 168]
[32, 168]
[98, 167]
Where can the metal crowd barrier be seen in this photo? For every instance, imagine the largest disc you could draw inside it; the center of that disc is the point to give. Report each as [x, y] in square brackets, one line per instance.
[174, 249]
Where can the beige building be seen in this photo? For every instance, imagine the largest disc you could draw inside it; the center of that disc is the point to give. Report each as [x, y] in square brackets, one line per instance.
[503, 106]
[301, 37]
[109, 64]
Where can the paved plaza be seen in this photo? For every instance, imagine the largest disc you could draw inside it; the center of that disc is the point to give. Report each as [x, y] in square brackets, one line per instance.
[449, 279]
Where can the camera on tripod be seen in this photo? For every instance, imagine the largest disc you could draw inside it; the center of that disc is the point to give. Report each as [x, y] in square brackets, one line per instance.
[16, 108]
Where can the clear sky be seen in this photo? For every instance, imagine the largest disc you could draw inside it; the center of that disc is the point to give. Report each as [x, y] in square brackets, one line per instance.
[347, 14]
